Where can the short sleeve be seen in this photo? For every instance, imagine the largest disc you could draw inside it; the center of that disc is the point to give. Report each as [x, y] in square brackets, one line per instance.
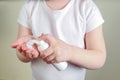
[93, 16]
[23, 18]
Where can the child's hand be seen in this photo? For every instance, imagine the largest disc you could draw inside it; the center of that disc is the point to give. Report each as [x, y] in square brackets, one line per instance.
[20, 45]
[57, 51]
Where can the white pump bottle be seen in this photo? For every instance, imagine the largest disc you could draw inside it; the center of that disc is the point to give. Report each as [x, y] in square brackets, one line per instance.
[42, 45]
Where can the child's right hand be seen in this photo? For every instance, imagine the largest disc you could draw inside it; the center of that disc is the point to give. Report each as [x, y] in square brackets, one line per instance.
[20, 45]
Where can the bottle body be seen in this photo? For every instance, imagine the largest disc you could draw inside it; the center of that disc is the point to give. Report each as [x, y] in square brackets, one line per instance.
[42, 45]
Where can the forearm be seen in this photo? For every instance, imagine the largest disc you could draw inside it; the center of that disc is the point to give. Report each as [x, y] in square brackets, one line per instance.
[90, 59]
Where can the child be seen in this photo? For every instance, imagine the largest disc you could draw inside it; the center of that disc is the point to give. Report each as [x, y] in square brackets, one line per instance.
[73, 30]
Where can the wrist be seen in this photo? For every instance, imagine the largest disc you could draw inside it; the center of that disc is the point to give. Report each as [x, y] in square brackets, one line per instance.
[70, 53]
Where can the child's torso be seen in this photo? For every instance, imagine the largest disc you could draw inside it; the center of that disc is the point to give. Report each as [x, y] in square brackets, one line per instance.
[66, 24]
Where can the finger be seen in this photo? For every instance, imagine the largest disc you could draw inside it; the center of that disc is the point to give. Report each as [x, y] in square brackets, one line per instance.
[19, 42]
[29, 51]
[35, 54]
[19, 48]
[42, 34]
[35, 46]
[26, 52]
[46, 52]
[43, 37]
[36, 51]
[29, 55]
[51, 62]
[14, 45]
[50, 58]
[24, 47]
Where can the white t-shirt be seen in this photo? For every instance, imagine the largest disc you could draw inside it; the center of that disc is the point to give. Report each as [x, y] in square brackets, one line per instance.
[69, 24]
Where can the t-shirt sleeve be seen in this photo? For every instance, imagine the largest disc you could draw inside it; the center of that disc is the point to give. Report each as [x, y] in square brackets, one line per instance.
[93, 16]
[23, 18]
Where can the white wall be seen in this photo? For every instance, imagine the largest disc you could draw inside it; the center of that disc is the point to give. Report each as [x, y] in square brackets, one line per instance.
[12, 69]
[111, 12]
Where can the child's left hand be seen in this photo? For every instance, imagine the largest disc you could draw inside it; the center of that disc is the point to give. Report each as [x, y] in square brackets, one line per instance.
[20, 45]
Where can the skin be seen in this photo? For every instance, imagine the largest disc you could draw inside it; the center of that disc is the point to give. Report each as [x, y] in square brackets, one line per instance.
[23, 53]
[93, 57]
[57, 5]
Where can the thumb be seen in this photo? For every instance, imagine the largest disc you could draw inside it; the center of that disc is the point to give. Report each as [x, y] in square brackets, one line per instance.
[40, 37]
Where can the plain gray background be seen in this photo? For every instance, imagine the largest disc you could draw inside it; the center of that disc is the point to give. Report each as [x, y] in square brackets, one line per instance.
[12, 69]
